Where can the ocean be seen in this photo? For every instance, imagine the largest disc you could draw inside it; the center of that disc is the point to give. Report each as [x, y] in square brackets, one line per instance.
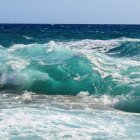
[71, 82]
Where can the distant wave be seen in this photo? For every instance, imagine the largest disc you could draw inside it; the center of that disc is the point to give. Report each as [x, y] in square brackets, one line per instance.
[28, 38]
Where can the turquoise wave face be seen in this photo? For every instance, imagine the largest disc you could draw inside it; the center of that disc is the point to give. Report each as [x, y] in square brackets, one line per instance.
[68, 68]
[57, 68]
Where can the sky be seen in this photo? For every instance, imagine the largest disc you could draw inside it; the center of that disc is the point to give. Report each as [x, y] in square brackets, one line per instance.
[70, 11]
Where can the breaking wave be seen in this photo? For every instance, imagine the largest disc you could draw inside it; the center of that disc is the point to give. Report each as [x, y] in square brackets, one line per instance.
[103, 68]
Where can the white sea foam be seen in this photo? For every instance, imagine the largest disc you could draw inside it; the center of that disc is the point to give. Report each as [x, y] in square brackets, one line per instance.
[51, 46]
[17, 64]
[18, 47]
[105, 100]
[100, 45]
[83, 94]
[40, 121]
[27, 96]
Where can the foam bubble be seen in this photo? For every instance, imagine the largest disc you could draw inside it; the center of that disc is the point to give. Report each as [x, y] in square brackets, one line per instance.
[83, 94]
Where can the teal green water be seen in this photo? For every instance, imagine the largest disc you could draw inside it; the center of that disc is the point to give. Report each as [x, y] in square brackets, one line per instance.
[56, 68]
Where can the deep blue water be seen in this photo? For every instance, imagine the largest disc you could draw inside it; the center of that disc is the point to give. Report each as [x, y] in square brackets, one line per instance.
[14, 33]
[72, 78]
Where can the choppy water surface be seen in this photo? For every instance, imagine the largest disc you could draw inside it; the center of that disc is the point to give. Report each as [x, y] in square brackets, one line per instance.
[69, 82]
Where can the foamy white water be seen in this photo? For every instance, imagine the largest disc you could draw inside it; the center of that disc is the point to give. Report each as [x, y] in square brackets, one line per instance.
[40, 117]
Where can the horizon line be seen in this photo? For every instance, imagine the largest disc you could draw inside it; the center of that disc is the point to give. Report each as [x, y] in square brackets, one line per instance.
[74, 23]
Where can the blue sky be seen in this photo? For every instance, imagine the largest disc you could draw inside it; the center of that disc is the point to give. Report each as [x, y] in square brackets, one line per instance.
[70, 11]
